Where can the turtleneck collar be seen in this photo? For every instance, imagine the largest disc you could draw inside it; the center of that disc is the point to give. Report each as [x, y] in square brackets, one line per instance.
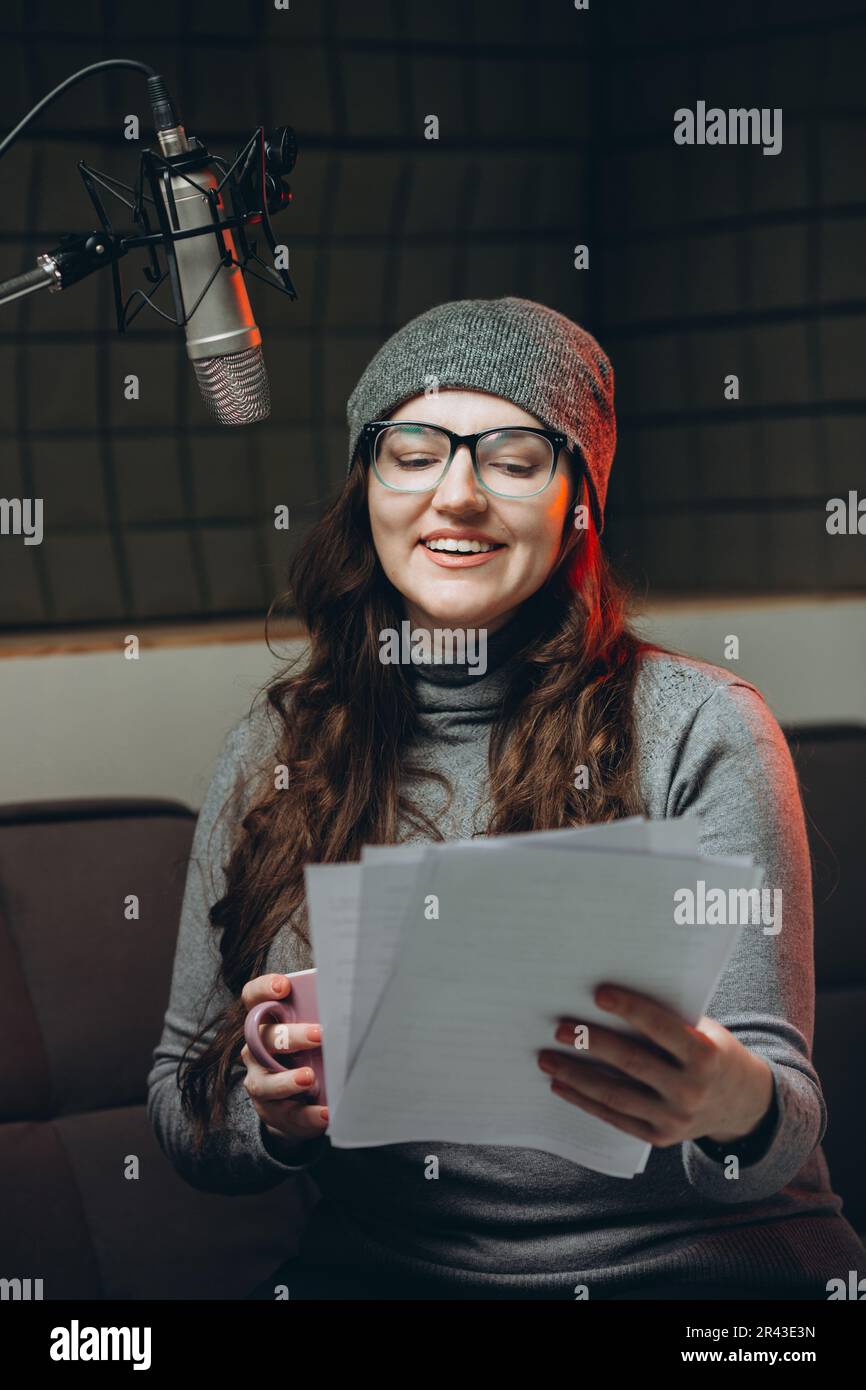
[445, 686]
[500, 647]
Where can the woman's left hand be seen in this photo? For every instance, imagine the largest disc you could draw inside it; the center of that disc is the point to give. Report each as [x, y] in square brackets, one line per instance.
[677, 1082]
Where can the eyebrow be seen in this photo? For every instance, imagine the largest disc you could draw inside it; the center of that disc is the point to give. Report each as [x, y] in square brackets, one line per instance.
[412, 428]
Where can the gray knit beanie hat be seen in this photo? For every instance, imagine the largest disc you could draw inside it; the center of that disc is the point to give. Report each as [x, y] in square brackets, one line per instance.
[513, 348]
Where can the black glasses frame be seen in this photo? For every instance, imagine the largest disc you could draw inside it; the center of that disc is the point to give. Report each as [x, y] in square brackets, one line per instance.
[371, 431]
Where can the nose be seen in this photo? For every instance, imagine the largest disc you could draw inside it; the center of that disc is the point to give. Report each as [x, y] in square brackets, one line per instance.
[460, 490]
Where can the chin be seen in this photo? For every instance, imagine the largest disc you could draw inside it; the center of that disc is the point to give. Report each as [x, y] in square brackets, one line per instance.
[476, 611]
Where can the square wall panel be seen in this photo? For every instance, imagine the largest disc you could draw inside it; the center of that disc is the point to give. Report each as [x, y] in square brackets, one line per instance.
[714, 273]
[15, 97]
[221, 475]
[83, 578]
[69, 475]
[345, 359]
[163, 572]
[372, 20]
[792, 455]
[778, 267]
[14, 472]
[157, 367]
[663, 471]
[63, 389]
[436, 192]
[291, 471]
[840, 343]
[781, 365]
[356, 285]
[555, 281]
[147, 479]
[371, 195]
[302, 21]
[842, 265]
[441, 85]
[659, 386]
[290, 361]
[841, 463]
[21, 590]
[373, 96]
[444, 22]
[796, 548]
[490, 269]
[729, 463]
[561, 96]
[234, 558]
[841, 171]
[780, 182]
[301, 85]
[223, 79]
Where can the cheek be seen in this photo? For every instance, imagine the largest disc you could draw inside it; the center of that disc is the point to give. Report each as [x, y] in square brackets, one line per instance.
[394, 525]
[541, 539]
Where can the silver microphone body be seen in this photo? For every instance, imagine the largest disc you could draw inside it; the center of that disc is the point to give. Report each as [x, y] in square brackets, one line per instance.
[223, 341]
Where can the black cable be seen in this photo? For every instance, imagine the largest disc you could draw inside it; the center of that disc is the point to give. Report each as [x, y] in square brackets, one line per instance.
[70, 82]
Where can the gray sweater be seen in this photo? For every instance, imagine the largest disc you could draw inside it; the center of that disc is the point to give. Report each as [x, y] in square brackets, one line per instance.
[519, 1218]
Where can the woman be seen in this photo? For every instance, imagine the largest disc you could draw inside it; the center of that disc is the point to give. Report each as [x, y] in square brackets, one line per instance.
[481, 441]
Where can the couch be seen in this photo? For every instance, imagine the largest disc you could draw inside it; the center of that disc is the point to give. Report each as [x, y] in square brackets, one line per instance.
[82, 996]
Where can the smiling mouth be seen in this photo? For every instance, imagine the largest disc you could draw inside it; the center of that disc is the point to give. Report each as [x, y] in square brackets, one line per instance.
[449, 546]
[461, 555]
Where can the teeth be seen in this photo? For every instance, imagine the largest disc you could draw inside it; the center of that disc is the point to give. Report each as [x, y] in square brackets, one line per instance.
[459, 547]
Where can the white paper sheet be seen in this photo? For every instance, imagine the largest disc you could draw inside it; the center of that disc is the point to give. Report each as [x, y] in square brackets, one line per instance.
[451, 1050]
[385, 893]
[333, 910]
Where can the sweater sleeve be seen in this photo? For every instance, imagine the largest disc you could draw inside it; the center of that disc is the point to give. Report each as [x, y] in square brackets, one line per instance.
[234, 1158]
[735, 769]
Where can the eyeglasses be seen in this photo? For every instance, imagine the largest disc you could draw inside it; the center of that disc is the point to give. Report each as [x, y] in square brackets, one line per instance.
[515, 461]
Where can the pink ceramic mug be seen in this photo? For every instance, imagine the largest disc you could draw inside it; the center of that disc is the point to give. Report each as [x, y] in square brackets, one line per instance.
[301, 1006]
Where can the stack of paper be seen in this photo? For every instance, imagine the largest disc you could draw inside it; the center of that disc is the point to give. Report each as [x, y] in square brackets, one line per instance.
[442, 970]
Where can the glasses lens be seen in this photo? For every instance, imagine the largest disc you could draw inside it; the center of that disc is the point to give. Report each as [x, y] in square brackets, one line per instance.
[412, 457]
[515, 462]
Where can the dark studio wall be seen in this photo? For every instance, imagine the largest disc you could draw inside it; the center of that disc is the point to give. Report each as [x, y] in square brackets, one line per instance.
[556, 128]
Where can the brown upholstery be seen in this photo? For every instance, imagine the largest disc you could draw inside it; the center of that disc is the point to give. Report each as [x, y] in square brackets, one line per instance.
[831, 761]
[82, 996]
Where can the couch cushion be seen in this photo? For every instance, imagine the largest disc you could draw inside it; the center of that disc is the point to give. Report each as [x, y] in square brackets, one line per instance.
[83, 992]
[92, 982]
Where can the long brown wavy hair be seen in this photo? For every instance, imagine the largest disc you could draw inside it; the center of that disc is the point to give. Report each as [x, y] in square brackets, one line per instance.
[346, 720]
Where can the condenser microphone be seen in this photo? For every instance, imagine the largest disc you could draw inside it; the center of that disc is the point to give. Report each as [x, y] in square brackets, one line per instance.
[223, 341]
[199, 236]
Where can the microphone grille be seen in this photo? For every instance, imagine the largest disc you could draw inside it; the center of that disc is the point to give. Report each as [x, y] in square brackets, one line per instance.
[235, 387]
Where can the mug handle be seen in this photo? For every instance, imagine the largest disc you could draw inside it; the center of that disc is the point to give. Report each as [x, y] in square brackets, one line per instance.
[273, 1011]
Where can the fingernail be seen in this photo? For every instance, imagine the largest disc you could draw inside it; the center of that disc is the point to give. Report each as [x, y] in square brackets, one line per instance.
[605, 999]
[324, 1113]
[304, 1077]
[277, 983]
[314, 1033]
[546, 1065]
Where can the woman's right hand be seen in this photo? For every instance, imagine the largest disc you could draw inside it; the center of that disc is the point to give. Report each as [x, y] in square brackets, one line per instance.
[279, 1098]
